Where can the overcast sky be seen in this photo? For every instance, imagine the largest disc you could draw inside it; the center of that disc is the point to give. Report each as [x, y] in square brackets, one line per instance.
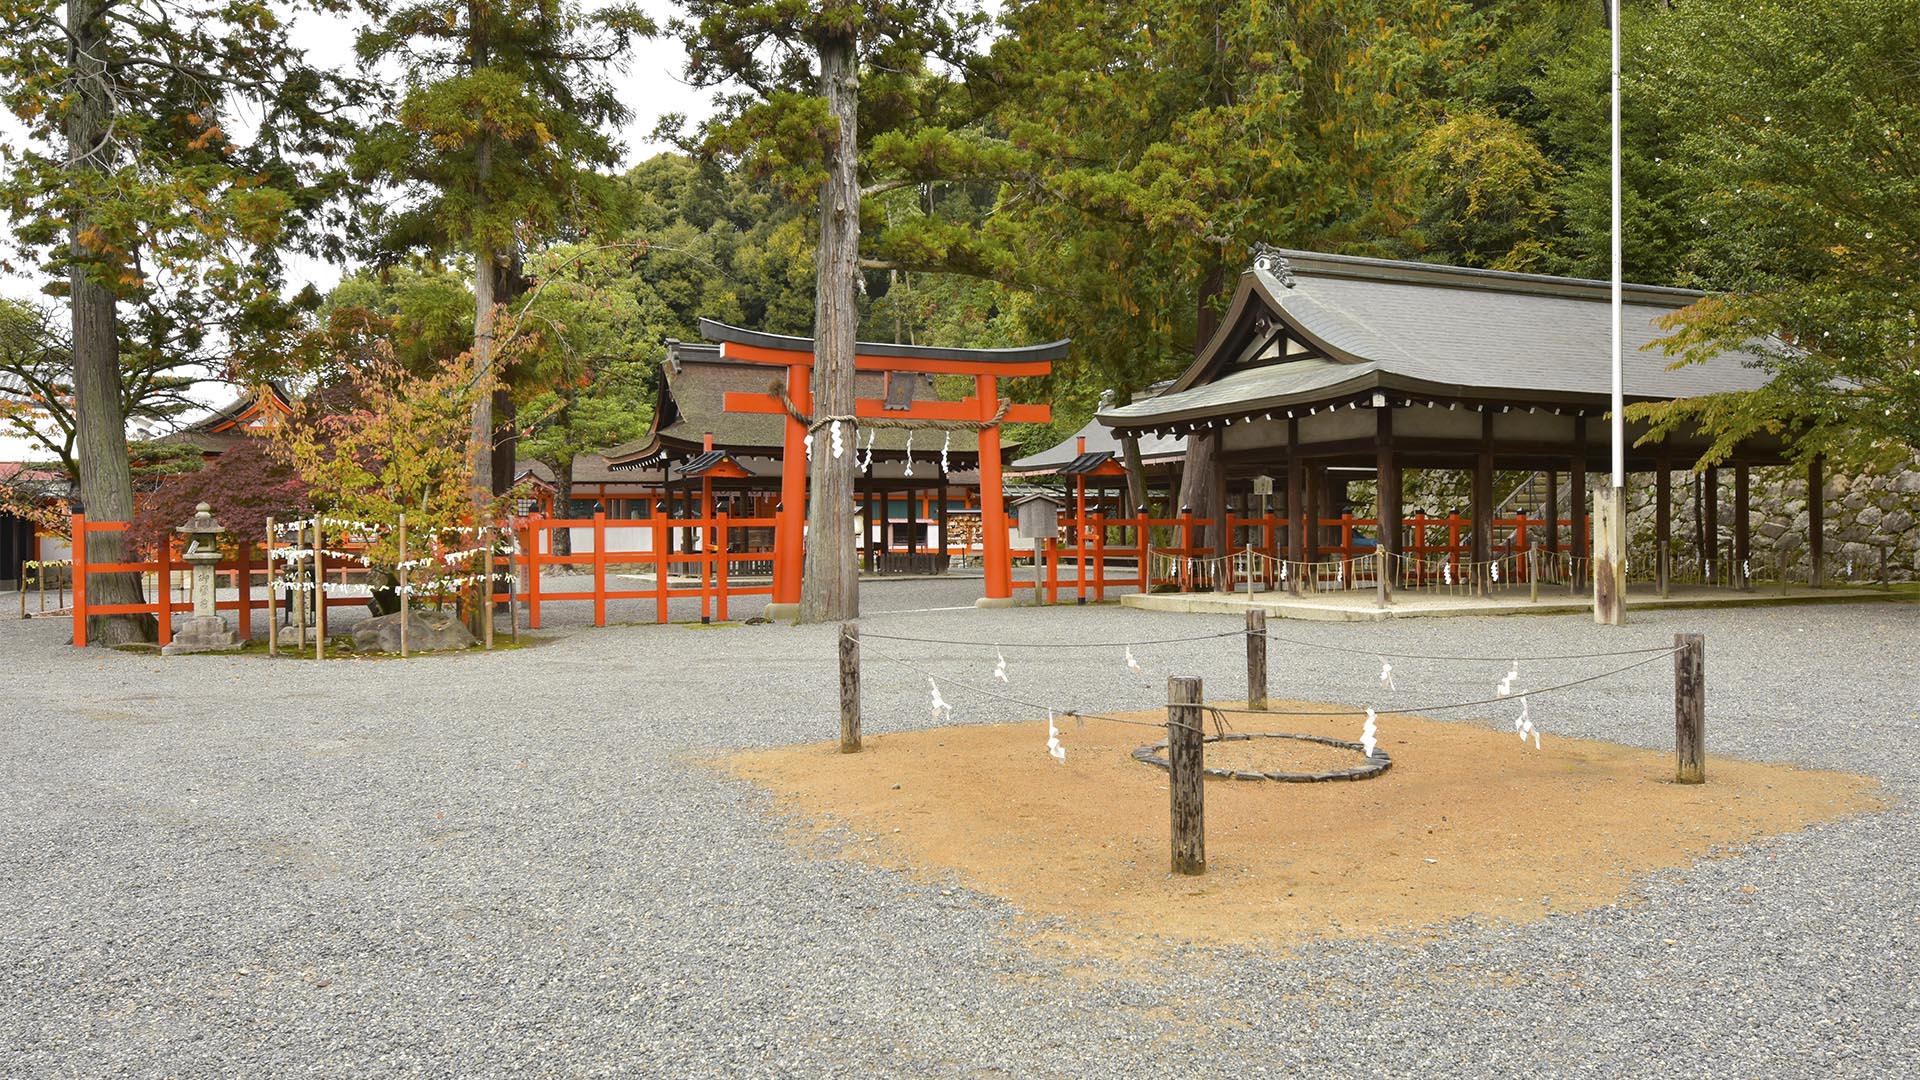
[652, 86]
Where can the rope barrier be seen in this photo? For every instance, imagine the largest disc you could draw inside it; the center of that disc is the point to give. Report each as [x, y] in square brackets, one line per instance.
[1271, 636]
[1075, 713]
[1457, 705]
[865, 634]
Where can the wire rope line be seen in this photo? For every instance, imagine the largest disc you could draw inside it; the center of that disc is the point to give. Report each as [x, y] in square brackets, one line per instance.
[1075, 713]
[869, 635]
[1412, 710]
[1271, 636]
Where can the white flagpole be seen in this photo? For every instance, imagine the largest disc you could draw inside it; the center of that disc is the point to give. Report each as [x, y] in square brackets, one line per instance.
[1619, 404]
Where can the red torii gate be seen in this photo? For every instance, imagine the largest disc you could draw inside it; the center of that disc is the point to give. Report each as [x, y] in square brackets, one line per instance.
[986, 366]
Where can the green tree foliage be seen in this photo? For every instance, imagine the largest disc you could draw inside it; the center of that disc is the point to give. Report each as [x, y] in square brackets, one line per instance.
[1800, 159]
[1483, 192]
[502, 121]
[173, 153]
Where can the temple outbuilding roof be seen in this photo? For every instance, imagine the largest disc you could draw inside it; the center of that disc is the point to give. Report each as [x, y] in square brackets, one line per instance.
[1306, 329]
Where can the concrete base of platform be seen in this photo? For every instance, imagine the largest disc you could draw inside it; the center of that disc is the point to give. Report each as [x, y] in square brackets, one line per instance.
[1363, 605]
[995, 602]
[781, 612]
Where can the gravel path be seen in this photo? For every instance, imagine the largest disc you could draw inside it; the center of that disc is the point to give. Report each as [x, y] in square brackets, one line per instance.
[515, 865]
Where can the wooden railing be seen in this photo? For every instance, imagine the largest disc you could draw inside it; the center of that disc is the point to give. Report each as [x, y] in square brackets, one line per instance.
[728, 549]
[1142, 553]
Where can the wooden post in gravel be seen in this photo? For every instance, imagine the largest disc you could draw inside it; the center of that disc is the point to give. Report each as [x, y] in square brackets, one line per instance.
[406, 591]
[319, 589]
[849, 688]
[1690, 708]
[1256, 658]
[273, 607]
[1186, 757]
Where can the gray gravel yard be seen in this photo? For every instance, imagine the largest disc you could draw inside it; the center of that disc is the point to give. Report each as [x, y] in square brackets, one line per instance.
[517, 865]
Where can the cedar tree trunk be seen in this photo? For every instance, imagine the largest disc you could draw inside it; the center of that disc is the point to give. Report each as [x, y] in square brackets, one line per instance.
[830, 584]
[100, 438]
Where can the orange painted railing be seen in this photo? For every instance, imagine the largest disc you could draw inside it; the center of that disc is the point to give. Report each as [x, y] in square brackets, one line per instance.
[162, 564]
[714, 582]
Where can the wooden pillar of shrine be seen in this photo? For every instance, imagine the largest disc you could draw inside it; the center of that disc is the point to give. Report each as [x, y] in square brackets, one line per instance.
[913, 524]
[940, 512]
[1387, 502]
[1742, 539]
[1482, 509]
[994, 542]
[1663, 522]
[1817, 522]
[790, 515]
[1551, 512]
[1296, 505]
[1580, 498]
[1710, 524]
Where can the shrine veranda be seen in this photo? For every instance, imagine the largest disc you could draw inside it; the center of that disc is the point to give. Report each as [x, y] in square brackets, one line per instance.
[223, 864]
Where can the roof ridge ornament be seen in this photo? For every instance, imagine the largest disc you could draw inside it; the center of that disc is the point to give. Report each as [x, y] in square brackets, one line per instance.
[1267, 257]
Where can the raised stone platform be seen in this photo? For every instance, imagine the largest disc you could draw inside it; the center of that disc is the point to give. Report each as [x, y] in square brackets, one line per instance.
[1362, 605]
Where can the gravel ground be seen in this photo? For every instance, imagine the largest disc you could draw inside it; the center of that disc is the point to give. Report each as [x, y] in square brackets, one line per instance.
[516, 865]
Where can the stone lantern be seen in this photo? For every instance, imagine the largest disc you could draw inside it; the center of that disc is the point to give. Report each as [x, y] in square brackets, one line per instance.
[206, 630]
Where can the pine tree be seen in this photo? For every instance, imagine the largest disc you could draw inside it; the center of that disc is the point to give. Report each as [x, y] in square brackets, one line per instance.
[503, 118]
[136, 183]
[818, 76]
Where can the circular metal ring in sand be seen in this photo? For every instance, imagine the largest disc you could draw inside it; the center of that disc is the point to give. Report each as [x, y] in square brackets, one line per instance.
[1376, 763]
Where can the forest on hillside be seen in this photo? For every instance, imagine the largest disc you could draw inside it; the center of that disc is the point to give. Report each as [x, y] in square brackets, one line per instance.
[1061, 168]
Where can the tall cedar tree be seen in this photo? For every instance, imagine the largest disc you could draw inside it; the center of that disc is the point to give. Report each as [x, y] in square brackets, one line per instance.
[1168, 136]
[503, 118]
[803, 67]
[172, 148]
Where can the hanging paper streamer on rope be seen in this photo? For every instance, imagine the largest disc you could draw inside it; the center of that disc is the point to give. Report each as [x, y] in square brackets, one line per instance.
[808, 443]
[1746, 569]
[839, 442]
[941, 710]
[1446, 572]
[1524, 724]
[1340, 573]
[1283, 573]
[868, 464]
[909, 451]
[1367, 733]
[1134, 665]
[1494, 569]
[1506, 684]
[1000, 666]
[945, 445]
[1054, 748]
[1386, 675]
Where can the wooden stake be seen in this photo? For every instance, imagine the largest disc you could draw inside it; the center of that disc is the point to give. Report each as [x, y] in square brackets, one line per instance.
[273, 607]
[1533, 572]
[1186, 756]
[485, 559]
[299, 599]
[319, 590]
[849, 688]
[1690, 708]
[400, 574]
[1256, 658]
